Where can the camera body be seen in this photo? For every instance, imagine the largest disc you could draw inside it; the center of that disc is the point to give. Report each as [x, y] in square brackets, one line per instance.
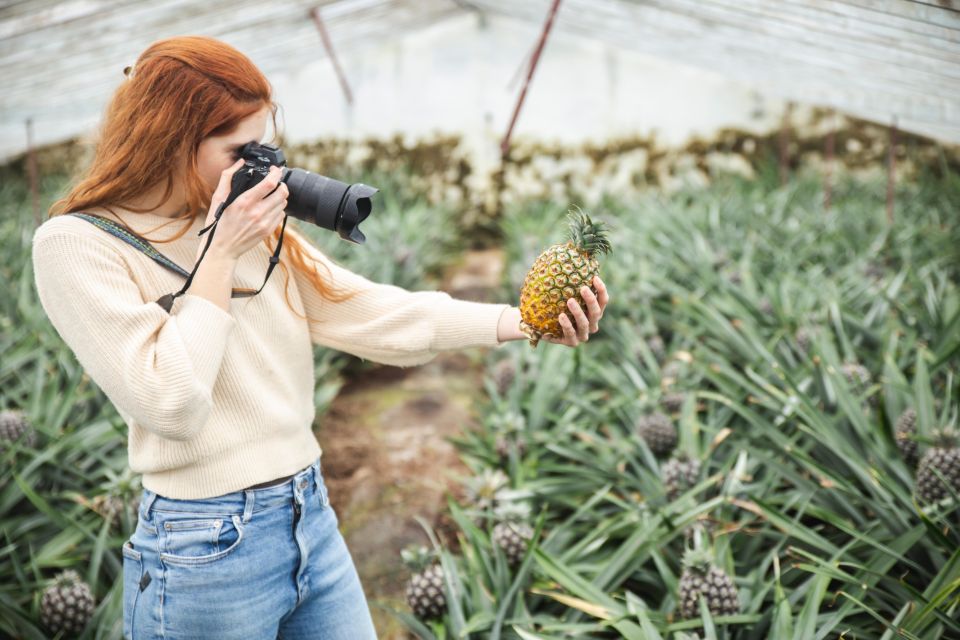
[317, 199]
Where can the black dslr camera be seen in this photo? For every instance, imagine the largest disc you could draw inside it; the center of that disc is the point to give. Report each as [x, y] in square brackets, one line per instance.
[323, 201]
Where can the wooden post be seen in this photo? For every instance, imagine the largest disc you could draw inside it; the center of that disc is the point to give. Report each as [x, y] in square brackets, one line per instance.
[32, 178]
[828, 169]
[784, 143]
[505, 144]
[891, 170]
[328, 45]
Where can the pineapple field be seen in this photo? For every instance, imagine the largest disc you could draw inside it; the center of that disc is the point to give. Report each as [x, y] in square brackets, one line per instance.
[760, 442]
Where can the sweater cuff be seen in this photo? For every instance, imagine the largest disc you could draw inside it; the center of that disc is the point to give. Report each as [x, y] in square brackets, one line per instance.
[204, 327]
[463, 324]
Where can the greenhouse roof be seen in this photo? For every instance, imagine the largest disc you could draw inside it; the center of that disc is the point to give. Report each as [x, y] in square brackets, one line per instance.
[876, 59]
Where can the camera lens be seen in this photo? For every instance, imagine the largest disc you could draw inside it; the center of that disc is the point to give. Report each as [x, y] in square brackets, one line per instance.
[328, 203]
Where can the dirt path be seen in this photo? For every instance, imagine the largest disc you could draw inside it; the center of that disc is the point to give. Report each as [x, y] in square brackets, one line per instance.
[385, 453]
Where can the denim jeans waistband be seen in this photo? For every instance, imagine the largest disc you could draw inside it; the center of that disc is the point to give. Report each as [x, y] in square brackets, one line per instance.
[245, 501]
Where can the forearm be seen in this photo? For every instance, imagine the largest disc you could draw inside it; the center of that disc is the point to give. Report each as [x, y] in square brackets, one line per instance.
[214, 278]
[509, 326]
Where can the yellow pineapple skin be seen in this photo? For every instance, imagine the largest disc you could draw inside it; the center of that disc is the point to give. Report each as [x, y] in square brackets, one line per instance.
[555, 277]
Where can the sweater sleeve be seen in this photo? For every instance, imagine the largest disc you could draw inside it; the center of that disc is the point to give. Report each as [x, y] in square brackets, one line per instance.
[388, 324]
[155, 367]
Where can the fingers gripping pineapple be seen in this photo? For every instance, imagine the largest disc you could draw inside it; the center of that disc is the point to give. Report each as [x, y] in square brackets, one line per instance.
[558, 274]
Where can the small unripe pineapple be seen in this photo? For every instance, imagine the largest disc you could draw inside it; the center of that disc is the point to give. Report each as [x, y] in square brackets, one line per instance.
[512, 537]
[506, 443]
[679, 474]
[658, 432]
[13, 425]
[942, 458]
[558, 274]
[425, 589]
[67, 604]
[904, 434]
[672, 402]
[701, 577]
[858, 377]
[504, 373]
[804, 339]
[657, 347]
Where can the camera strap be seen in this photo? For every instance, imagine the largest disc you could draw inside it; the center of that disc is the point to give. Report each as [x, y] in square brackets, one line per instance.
[134, 239]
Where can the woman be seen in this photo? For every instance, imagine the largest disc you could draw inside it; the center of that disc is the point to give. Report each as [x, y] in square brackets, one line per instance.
[236, 536]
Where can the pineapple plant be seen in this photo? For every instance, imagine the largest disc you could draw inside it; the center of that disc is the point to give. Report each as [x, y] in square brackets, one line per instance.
[14, 425]
[66, 606]
[424, 590]
[557, 276]
[905, 434]
[702, 578]
[679, 474]
[658, 432]
[942, 458]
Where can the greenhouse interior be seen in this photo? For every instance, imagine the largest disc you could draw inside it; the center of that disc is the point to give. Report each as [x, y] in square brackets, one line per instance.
[744, 424]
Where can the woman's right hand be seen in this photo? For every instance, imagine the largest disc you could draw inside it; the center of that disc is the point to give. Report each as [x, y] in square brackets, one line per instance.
[251, 217]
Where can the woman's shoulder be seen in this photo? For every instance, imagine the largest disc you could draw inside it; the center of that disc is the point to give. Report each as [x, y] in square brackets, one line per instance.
[68, 224]
[72, 240]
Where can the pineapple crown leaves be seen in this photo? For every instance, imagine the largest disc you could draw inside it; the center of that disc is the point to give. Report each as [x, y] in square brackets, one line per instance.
[700, 556]
[509, 421]
[417, 557]
[946, 438]
[587, 235]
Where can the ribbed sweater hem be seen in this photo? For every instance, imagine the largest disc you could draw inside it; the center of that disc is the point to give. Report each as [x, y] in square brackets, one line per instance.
[230, 471]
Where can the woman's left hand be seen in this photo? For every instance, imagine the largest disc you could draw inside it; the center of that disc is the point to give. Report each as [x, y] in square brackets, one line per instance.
[586, 323]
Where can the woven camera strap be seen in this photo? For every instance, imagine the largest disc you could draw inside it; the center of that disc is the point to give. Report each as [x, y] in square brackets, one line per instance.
[166, 302]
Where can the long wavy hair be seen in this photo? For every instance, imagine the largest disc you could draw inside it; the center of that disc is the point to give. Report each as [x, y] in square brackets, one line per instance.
[180, 91]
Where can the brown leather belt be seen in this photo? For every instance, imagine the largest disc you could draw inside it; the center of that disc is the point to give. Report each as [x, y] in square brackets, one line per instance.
[271, 483]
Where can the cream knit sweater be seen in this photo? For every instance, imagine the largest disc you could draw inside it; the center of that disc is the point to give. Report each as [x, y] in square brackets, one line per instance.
[218, 401]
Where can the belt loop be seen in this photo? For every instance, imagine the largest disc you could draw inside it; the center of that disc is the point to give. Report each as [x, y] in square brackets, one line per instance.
[149, 497]
[316, 475]
[248, 505]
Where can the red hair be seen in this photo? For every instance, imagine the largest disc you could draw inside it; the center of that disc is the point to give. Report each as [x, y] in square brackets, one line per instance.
[180, 91]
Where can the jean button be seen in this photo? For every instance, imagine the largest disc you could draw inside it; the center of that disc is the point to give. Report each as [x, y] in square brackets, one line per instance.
[303, 484]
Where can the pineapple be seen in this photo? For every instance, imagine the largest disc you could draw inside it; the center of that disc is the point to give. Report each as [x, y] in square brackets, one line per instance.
[13, 425]
[504, 444]
[672, 402]
[701, 577]
[858, 377]
[110, 506]
[503, 374]
[558, 274]
[509, 427]
[804, 339]
[904, 435]
[512, 537]
[67, 604]
[679, 474]
[658, 432]
[657, 347]
[942, 458]
[425, 589]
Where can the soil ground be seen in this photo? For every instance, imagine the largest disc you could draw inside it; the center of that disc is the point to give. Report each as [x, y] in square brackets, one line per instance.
[386, 457]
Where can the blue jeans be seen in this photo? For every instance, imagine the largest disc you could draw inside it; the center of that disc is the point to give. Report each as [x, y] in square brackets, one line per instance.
[265, 563]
